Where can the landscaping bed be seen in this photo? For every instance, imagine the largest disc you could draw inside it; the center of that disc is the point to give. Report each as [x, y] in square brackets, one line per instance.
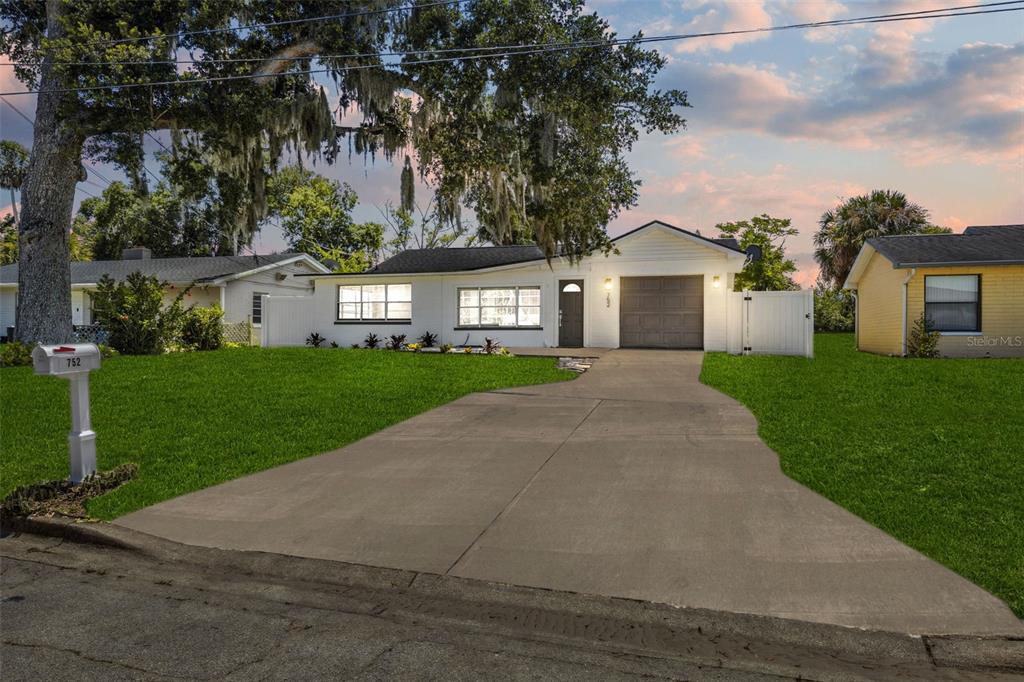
[928, 450]
[192, 420]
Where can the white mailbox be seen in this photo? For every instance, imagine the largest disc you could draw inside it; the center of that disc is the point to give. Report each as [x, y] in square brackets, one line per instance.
[74, 361]
[67, 359]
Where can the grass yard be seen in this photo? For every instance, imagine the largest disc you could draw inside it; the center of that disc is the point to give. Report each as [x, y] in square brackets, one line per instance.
[930, 451]
[192, 420]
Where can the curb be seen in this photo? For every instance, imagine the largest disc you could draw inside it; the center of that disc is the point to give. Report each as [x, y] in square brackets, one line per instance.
[757, 643]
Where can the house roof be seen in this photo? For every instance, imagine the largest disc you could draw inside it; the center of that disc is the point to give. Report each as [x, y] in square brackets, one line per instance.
[977, 245]
[462, 259]
[455, 259]
[206, 269]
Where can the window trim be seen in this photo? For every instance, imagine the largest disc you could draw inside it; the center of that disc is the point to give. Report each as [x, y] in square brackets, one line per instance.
[257, 296]
[372, 320]
[977, 320]
[492, 327]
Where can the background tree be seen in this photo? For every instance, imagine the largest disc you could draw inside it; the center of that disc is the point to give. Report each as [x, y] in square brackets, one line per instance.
[844, 229]
[834, 308]
[772, 271]
[315, 216]
[13, 165]
[161, 221]
[533, 141]
[419, 228]
[8, 240]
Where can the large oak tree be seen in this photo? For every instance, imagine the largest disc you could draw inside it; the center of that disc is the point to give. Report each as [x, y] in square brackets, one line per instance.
[531, 142]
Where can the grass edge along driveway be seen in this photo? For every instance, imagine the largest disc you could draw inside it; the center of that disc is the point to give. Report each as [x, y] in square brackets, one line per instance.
[930, 451]
[192, 420]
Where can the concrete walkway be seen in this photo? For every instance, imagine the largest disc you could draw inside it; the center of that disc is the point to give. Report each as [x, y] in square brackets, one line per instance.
[634, 480]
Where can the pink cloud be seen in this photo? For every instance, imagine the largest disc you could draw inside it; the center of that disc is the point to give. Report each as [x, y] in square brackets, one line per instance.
[716, 15]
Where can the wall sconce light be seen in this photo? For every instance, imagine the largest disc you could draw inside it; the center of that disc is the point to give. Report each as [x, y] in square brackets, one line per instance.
[716, 281]
[608, 292]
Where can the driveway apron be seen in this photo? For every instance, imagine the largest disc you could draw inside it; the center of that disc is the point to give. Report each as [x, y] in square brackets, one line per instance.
[635, 480]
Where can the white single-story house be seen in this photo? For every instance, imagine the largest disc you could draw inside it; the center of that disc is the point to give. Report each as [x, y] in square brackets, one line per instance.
[237, 283]
[664, 288]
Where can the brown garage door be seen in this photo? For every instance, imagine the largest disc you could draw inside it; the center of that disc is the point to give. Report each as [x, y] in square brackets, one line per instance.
[662, 312]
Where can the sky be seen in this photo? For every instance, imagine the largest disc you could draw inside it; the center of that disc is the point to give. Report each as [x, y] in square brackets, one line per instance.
[789, 123]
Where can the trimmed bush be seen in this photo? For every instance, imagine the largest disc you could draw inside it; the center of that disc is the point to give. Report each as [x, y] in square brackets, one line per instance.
[203, 328]
[15, 354]
[134, 315]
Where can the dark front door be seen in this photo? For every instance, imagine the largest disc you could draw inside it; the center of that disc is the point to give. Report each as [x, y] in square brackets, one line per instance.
[570, 313]
[661, 312]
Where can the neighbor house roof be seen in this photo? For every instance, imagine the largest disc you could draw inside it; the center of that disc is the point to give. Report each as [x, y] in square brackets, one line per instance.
[463, 259]
[977, 245]
[207, 269]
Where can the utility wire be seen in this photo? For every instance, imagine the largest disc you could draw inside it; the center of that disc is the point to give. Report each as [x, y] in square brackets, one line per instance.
[269, 24]
[921, 13]
[509, 53]
[915, 14]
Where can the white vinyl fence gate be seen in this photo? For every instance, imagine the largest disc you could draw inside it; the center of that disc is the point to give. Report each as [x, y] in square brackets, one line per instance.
[771, 322]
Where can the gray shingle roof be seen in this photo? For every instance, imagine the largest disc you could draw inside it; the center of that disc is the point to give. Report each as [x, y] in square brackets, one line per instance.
[454, 259]
[977, 245]
[178, 270]
[459, 259]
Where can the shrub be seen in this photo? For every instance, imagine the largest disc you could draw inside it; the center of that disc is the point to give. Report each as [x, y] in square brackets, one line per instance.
[428, 339]
[833, 309]
[203, 328]
[415, 347]
[334, 344]
[372, 340]
[356, 345]
[446, 347]
[107, 351]
[396, 341]
[315, 340]
[492, 346]
[923, 341]
[15, 354]
[133, 314]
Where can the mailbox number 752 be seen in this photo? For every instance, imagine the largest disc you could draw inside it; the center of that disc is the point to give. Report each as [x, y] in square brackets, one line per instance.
[74, 362]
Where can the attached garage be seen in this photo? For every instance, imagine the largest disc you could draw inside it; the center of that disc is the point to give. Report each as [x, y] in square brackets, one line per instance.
[662, 312]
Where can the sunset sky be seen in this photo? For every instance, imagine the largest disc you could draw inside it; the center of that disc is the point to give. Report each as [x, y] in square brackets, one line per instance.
[789, 123]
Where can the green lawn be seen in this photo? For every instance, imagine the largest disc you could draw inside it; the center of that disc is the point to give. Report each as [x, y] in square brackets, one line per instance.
[192, 420]
[931, 451]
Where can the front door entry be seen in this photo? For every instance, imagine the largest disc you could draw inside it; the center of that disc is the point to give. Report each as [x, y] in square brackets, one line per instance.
[570, 313]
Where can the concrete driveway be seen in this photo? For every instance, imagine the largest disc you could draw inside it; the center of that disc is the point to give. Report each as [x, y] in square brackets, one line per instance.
[634, 480]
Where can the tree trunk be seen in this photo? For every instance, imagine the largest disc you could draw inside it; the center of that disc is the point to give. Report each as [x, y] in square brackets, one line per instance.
[47, 196]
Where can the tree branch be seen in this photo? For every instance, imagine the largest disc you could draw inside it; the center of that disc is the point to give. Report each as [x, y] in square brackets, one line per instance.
[280, 62]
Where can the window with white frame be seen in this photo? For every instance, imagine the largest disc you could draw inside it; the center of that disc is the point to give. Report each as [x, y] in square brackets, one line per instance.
[499, 307]
[952, 303]
[257, 306]
[375, 302]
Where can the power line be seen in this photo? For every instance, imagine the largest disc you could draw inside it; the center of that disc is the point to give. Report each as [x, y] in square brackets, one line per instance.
[511, 51]
[269, 24]
[915, 14]
[32, 123]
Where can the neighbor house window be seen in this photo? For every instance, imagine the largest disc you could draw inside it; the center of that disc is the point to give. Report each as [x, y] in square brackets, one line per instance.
[257, 306]
[375, 302]
[499, 307]
[952, 303]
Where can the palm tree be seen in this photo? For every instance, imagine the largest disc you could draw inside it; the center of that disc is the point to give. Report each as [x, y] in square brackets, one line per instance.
[13, 165]
[844, 229]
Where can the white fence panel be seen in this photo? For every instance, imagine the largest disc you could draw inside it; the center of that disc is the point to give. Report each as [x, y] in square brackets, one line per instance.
[286, 320]
[771, 322]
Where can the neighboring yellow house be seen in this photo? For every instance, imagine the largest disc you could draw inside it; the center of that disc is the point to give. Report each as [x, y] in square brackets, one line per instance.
[970, 286]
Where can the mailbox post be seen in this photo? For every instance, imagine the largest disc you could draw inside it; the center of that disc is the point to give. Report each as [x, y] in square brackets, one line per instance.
[74, 361]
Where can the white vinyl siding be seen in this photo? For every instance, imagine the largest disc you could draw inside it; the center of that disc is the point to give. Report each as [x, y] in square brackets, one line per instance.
[373, 302]
[509, 307]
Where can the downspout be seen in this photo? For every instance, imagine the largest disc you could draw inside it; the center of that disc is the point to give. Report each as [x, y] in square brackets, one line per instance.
[856, 319]
[913, 271]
